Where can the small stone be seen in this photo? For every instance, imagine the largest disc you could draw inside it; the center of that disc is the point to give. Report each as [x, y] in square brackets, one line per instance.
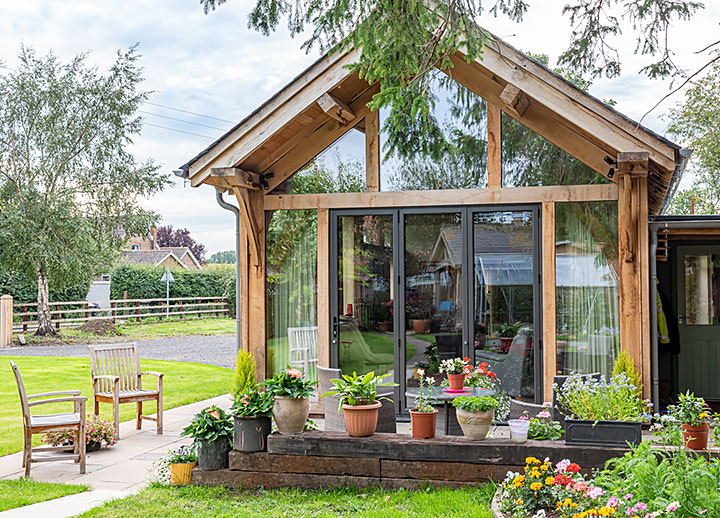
[21, 339]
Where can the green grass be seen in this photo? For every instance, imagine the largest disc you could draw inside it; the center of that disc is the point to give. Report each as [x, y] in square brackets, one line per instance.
[17, 493]
[165, 501]
[183, 383]
[207, 326]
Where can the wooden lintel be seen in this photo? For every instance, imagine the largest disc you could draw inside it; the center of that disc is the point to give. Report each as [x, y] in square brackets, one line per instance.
[237, 177]
[249, 223]
[335, 108]
[636, 163]
[515, 99]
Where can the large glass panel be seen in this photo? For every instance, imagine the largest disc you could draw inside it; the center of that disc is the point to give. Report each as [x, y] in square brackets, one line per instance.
[586, 278]
[530, 160]
[702, 289]
[433, 287]
[504, 297]
[365, 294]
[446, 151]
[291, 308]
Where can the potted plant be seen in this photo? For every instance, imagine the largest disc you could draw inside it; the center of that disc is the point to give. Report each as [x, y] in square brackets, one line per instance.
[251, 411]
[424, 415]
[481, 377]
[385, 322]
[418, 309]
[475, 415]
[542, 427]
[456, 370]
[97, 433]
[694, 415]
[359, 401]
[212, 430]
[601, 412]
[176, 468]
[418, 367]
[291, 395]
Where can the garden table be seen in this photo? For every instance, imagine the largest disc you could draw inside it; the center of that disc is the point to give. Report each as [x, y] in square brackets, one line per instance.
[446, 421]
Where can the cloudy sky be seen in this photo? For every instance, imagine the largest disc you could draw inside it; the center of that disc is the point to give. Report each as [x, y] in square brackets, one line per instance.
[211, 71]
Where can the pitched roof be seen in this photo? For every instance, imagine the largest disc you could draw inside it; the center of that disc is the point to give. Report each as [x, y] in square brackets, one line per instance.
[180, 252]
[150, 257]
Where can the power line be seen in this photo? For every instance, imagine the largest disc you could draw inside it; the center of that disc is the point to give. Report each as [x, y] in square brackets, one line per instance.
[188, 112]
[181, 120]
[177, 130]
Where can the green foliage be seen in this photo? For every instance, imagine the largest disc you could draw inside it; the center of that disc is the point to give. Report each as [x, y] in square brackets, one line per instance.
[26, 491]
[143, 282]
[543, 428]
[209, 425]
[70, 189]
[358, 390]
[225, 257]
[23, 290]
[601, 400]
[475, 404]
[290, 384]
[698, 199]
[624, 364]
[244, 375]
[424, 400]
[252, 402]
[691, 410]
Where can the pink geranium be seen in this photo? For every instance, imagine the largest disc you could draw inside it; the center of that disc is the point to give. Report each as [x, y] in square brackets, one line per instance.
[295, 373]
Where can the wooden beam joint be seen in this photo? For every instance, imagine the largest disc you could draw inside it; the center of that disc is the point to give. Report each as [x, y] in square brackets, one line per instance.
[236, 177]
[336, 109]
[515, 99]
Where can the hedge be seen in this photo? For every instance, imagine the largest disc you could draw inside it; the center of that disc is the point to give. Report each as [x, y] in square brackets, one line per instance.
[144, 282]
[24, 291]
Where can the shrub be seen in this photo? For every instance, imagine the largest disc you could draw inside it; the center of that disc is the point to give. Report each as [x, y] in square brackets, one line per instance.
[475, 404]
[625, 364]
[22, 290]
[601, 400]
[210, 425]
[244, 376]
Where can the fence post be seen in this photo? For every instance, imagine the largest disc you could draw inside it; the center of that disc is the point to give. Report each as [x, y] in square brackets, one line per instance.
[87, 315]
[137, 304]
[6, 320]
[112, 311]
[60, 315]
[24, 317]
[180, 309]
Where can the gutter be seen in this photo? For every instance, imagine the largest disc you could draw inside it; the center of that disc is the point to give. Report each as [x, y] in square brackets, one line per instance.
[684, 155]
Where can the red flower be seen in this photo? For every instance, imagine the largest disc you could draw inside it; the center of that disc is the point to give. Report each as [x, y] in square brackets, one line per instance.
[573, 467]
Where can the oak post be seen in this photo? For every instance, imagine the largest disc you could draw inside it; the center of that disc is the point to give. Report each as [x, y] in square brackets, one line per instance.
[548, 299]
[494, 143]
[6, 320]
[372, 151]
[256, 283]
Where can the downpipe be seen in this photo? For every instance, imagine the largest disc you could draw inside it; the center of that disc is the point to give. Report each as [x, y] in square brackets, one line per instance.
[654, 360]
[225, 205]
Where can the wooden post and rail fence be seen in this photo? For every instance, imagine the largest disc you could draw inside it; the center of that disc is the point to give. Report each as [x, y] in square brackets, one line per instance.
[22, 317]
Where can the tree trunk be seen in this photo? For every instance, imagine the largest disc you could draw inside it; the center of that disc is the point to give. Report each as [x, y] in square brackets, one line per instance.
[45, 327]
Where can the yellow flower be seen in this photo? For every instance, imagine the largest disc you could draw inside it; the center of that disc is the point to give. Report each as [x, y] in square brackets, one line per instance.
[550, 481]
[535, 486]
[607, 511]
[703, 415]
[531, 460]
[544, 467]
[519, 501]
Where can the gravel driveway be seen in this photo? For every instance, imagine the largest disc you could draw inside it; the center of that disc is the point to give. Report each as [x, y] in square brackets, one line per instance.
[212, 350]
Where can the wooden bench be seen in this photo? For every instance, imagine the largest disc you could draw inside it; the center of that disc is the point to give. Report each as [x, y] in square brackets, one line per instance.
[66, 422]
[117, 379]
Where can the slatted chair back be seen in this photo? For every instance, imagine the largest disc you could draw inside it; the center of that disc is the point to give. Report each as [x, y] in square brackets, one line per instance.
[119, 360]
[23, 394]
[303, 348]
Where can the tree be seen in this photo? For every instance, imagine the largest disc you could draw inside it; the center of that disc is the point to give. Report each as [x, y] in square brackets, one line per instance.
[167, 236]
[68, 185]
[697, 123]
[403, 43]
[224, 257]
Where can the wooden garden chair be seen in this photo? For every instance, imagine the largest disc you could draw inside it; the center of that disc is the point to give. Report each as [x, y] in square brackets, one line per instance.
[66, 422]
[117, 379]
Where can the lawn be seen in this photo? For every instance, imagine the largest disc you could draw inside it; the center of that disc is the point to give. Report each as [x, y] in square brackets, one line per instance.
[183, 383]
[206, 326]
[17, 493]
[166, 501]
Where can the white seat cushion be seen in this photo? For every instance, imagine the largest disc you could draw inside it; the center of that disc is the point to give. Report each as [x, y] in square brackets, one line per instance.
[130, 393]
[55, 419]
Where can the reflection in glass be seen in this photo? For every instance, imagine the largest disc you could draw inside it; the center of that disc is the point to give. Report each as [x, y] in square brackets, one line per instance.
[504, 297]
[529, 160]
[291, 308]
[702, 289]
[365, 294]
[433, 288]
[586, 279]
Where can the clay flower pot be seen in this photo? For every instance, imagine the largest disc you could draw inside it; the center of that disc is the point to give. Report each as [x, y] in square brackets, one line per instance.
[421, 326]
[475, 425]
[251, 433]
[291, 414]
[361, 420]
[180, 473]
[423, 424]
[457, 381]
[696, 437]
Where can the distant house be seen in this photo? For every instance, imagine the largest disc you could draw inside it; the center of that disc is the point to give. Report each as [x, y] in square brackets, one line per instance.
[144, 250]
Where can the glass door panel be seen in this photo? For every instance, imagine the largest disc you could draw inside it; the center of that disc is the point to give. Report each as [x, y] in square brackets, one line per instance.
[504, 297]
[363, 316]
[433, 275]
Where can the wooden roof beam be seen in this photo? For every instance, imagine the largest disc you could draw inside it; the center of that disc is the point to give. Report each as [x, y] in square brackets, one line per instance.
[515, 100]
[335, 108]
[237, 177]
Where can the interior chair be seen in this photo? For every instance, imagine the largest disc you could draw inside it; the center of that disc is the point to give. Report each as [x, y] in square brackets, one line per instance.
[335, 421]
[64, 422]
[509, 367]
[303, 349]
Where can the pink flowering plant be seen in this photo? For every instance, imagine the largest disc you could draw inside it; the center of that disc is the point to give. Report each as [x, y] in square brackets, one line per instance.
[289, 383]
[96, 430]
[543, 427]
[252, 402]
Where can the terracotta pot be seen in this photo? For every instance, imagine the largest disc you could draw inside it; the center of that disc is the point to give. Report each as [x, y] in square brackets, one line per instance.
[291, 414]
[251, 433]
[180, 473]
[475, 425]
[361, 420]
[385, 326]
[695, 437]
[457, 381]
[421, 326]
[423, 424]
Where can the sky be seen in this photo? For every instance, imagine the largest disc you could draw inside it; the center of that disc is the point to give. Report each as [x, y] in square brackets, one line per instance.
[210, 71]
